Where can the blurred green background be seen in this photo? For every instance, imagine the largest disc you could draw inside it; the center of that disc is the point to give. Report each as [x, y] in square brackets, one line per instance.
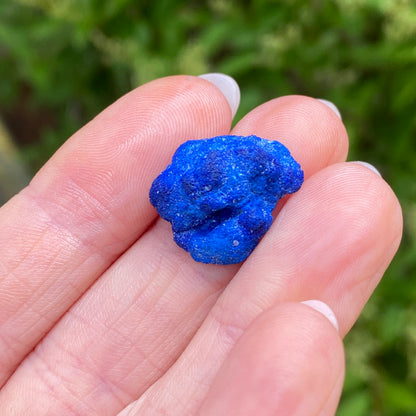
[61, 62]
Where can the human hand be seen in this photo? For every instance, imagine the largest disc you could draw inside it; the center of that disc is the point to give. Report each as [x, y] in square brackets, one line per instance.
[102, 314]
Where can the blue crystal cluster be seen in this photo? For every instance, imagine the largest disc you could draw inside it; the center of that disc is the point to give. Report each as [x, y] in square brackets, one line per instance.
[219, 194]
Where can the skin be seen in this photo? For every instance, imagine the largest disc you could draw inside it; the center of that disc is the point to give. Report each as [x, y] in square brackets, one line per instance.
[102, 314]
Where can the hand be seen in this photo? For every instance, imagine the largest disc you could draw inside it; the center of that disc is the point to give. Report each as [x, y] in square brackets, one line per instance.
[100, 311]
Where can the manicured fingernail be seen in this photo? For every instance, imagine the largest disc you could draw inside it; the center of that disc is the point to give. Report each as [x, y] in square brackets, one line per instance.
[228, 86]
[368, 165]
[331, 105]
[324, 309]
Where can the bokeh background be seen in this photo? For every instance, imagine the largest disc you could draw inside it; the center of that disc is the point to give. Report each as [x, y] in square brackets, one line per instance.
[62, 62]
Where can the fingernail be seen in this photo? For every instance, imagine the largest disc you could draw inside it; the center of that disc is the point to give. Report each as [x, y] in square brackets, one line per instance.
[228, 86]
[368, 165]
[331, 105]
[324, 309]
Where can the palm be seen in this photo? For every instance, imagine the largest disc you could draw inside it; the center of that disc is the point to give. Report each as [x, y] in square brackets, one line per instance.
[100, 309]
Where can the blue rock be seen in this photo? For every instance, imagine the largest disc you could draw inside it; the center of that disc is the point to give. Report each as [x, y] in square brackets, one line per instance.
[219, 194]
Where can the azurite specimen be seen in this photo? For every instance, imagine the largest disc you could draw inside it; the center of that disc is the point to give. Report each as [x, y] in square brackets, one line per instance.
[219, 194]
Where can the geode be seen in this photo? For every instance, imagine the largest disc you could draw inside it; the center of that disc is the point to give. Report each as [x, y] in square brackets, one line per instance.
[219, 194]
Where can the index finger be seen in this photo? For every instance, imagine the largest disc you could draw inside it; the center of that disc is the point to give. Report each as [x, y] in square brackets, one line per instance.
[89, 203]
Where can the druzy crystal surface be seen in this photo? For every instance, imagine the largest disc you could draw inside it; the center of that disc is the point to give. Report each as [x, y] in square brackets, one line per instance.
[219, 194]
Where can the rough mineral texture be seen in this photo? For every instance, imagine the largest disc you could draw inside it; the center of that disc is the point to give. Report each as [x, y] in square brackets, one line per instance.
[219, 194]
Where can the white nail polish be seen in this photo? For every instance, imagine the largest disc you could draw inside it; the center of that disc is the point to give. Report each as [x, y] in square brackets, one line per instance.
[331, 105]
[228, 86]
[324, 309]
[367, 165]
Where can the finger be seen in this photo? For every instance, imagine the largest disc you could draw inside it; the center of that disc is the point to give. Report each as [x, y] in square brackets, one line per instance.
[147, 307]
[337, 238]
[332, 241]
[313, 132]
[289, 361]
[90, 202]
[303, 124]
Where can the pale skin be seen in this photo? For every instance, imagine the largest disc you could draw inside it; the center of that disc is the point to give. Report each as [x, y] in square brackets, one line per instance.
[102, 314]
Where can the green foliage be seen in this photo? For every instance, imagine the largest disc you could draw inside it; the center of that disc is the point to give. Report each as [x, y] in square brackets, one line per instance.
[72, 58]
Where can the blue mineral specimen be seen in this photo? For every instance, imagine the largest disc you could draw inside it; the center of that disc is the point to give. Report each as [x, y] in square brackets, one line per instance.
[219, 194]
